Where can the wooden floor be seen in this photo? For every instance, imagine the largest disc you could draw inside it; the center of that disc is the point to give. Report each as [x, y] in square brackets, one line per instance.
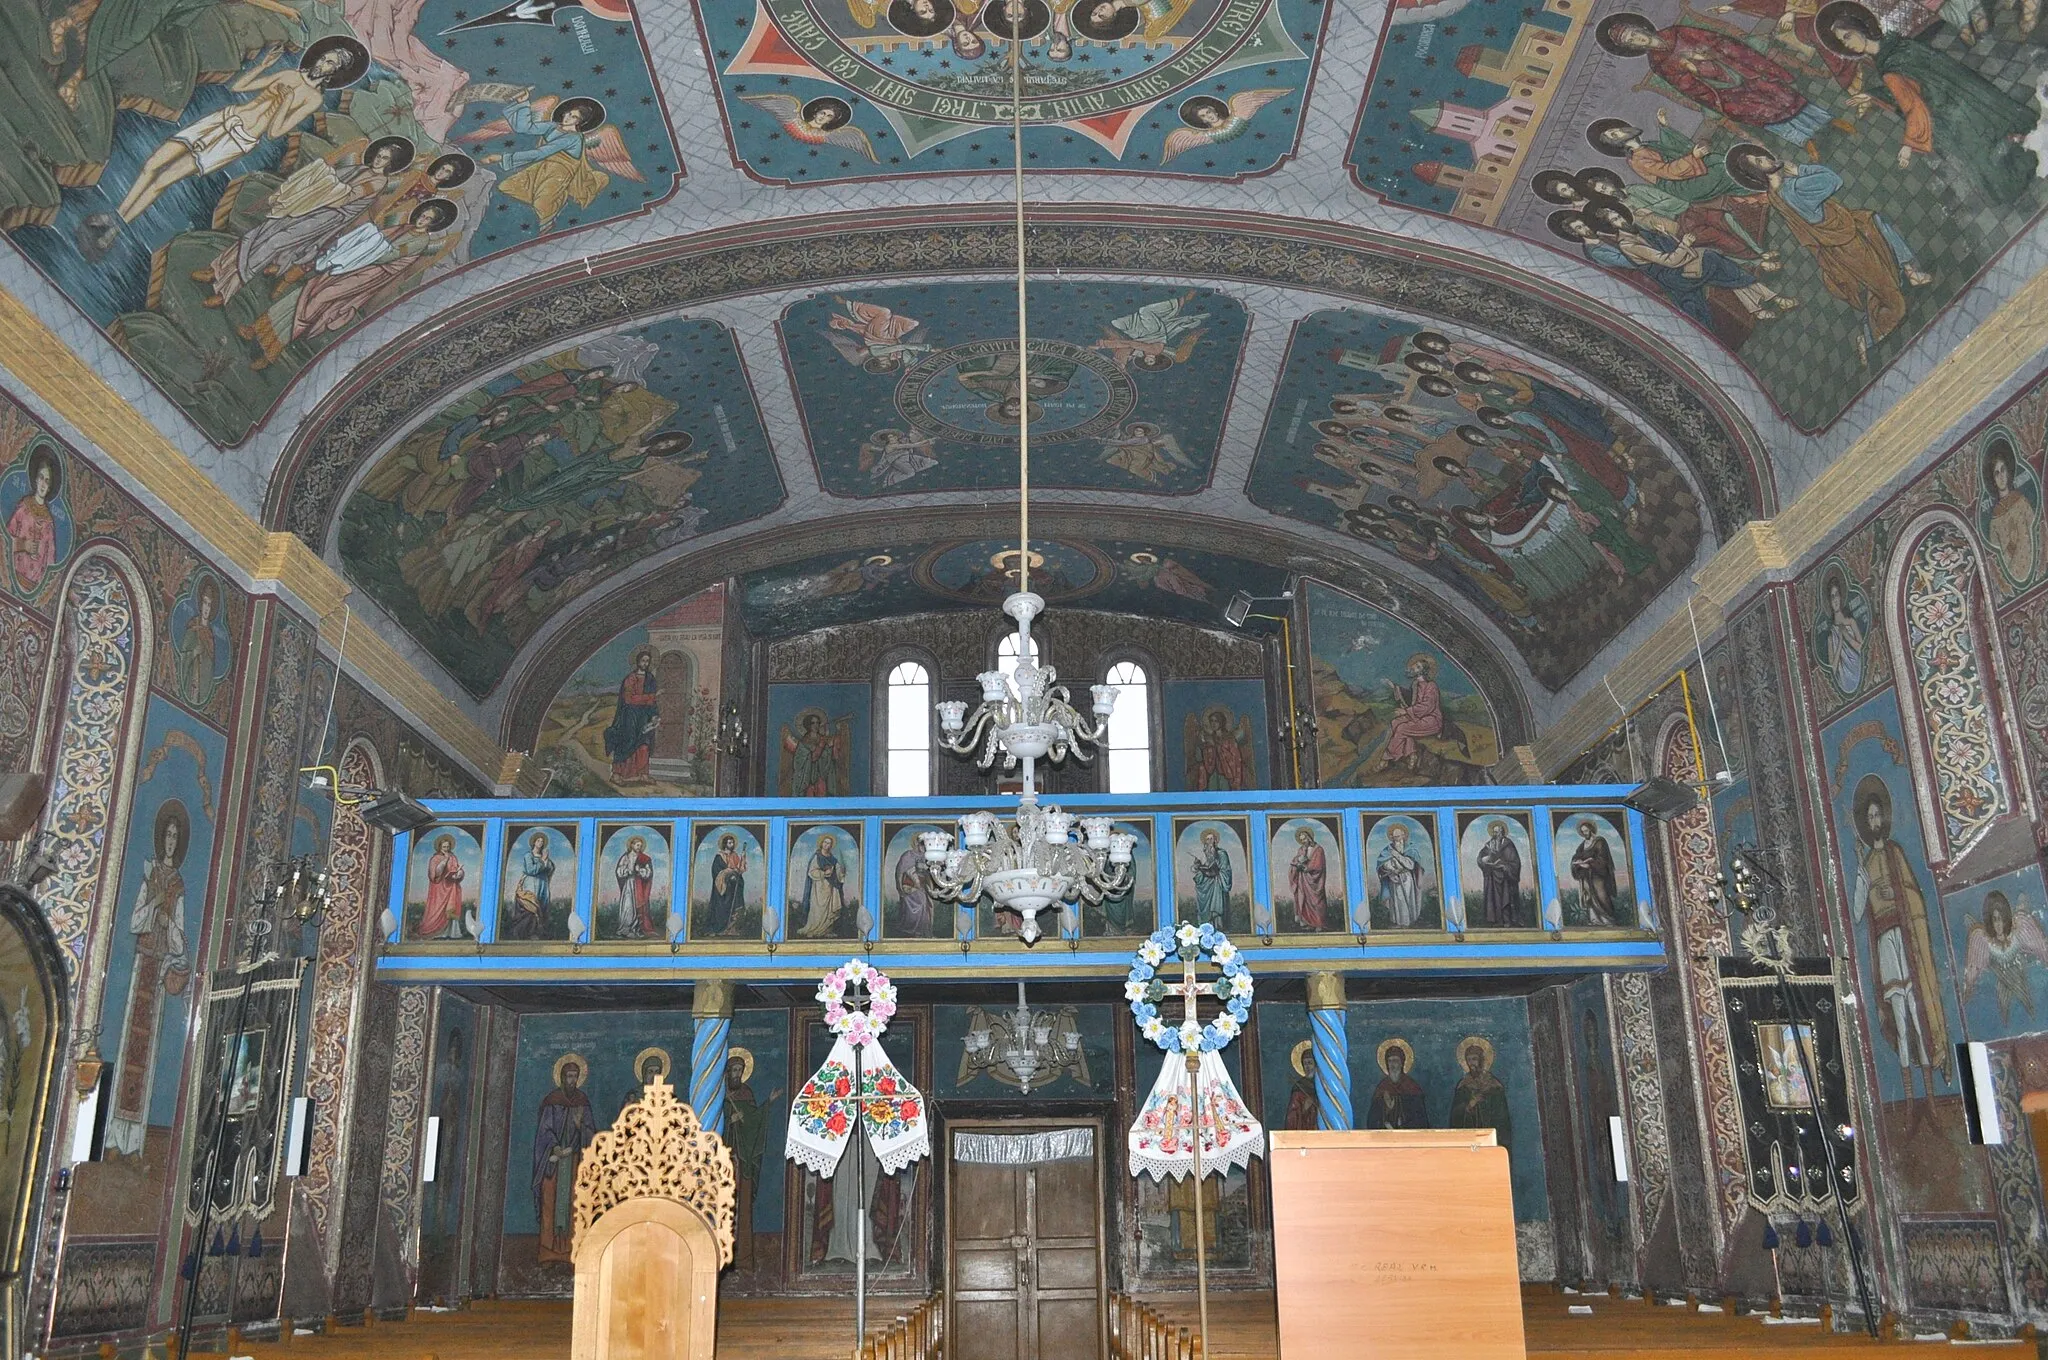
[1241, 1327]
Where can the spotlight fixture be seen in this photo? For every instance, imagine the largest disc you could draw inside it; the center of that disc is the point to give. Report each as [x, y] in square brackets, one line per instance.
[1661, 799]
[394, 812]
[1240, 607]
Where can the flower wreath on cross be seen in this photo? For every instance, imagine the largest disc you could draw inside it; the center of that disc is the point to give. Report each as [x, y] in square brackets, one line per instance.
[857, 1090]
[1144, 988]
[858, 1028]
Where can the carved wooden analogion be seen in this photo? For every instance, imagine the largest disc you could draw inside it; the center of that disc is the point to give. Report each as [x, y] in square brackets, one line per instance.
[654, 1223]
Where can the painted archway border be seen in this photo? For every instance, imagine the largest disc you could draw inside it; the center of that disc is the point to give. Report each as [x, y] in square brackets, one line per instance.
[554, 658]
[465, 344]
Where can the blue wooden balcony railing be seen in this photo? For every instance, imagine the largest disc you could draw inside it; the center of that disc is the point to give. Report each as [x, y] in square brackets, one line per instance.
[1350, 880]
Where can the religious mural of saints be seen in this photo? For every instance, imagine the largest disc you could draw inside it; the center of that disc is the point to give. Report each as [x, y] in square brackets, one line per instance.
[824, 893]
[2009, 514]
[1841, 635]
[1303, 1105]
[2006, 946]
[563, 1128]
[633, 872]
[1219, 750]
[629, 739]
[728, 900]
[201, 642]
[1500, 868]
[1480, 1100]
[532, 902]
[1397, 1102]
[1213, 877]
[1400, 873]
[442, 918]
[649, 1066]
[746, 1133]
[1418, 716]
[1308, 877]
[817, 755]
[1597, 1092]
[1888, 901]
[162, 968]
[37, 519]
[1593, 870]
[574, 153]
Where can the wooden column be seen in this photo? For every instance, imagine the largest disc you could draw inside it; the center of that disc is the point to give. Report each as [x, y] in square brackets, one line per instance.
[1332, 1050]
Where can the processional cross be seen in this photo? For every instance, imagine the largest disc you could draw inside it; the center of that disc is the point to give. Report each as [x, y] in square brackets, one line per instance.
[1190, 990]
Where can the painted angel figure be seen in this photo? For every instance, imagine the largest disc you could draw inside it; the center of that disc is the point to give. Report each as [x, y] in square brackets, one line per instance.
[892, 456]
[873, 337]
[1211, 120]
[825, 121]
[575, 157]
[1218, 750]
[2002, 944]
[1156, 336]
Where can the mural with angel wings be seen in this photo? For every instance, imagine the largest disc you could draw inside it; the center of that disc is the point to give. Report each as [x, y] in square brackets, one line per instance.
[2005, 946]
[873, 88]
[1218, 746]
[573, 157]
[227, 187]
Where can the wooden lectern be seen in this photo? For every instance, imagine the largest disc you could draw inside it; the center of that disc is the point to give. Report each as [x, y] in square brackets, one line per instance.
[654, 1206]
[1395, 1243]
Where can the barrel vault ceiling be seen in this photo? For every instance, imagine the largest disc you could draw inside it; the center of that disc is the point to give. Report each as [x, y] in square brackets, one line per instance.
[548, 310]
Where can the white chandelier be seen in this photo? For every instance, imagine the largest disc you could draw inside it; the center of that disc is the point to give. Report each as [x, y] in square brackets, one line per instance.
[1033, 863]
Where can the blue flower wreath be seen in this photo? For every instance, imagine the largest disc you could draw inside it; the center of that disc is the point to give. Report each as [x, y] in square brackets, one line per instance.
[1144, 989]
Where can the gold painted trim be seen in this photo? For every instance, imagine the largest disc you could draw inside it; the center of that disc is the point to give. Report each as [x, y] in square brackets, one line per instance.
[272, 562]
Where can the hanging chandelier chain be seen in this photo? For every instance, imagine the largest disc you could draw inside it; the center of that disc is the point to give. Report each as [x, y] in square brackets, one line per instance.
[1034, 862]
[1023, 314]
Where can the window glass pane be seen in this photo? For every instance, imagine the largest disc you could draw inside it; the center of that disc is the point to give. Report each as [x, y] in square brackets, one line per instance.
[908, 731]
[1129, 738]
[1130, 772]
[910, 774]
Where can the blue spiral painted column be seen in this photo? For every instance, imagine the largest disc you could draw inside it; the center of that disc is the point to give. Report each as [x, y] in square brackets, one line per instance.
[711, 1007]
[1332, 1050]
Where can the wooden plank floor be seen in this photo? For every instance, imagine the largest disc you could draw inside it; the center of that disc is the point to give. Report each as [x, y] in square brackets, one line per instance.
[1241, 1325]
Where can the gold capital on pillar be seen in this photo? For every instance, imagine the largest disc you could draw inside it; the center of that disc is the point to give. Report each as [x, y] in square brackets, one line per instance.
[1326, 991]
[713, 997]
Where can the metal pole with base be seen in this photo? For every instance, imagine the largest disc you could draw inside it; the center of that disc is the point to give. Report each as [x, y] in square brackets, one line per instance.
[1194, 1066]
[860, 1200]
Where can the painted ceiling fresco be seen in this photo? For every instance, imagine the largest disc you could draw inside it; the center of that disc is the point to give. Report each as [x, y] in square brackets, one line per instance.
[1120, 577]
[1553, 516]
[915, 389]
[527, 491]
[820, 90]
[1809, 184]
[226, 186]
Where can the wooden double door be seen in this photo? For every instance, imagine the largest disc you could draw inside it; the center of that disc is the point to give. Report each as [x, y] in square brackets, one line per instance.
[1024, 1240]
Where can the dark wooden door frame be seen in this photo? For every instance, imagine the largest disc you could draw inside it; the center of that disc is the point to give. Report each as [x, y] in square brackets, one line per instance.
[1032, 1124]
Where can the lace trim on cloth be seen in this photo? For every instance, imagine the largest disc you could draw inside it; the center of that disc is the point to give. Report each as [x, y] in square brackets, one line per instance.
[1162, 1141]
[822, 1116]
[1024, 1149]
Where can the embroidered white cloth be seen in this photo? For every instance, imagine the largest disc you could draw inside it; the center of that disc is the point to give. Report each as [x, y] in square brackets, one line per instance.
[1163, 1136]
[823, 1115]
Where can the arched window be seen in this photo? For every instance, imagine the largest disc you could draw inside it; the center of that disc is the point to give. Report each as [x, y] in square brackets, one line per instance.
[908, 719]
[1964, 782]
[1130, 729]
